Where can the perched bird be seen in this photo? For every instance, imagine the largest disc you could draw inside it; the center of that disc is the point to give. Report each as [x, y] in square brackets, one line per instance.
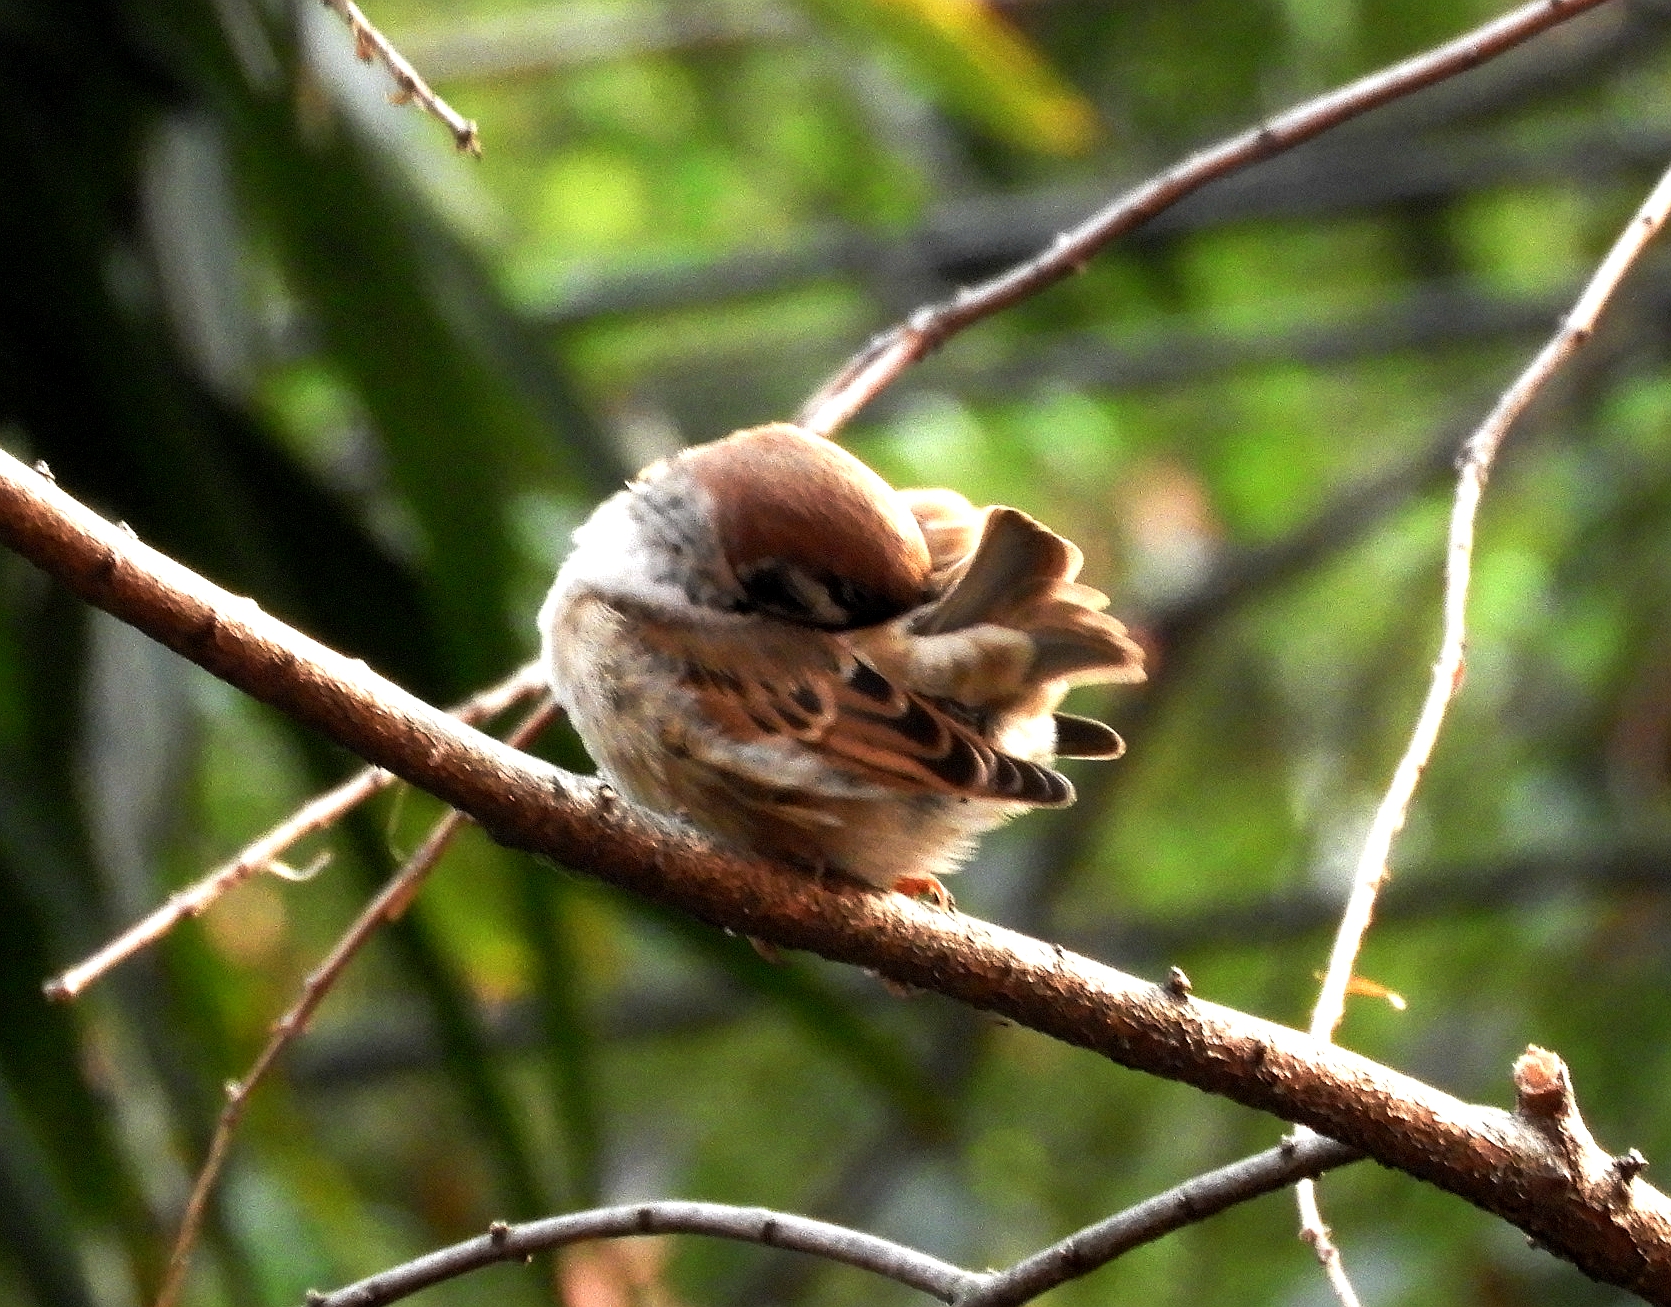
[763, 637]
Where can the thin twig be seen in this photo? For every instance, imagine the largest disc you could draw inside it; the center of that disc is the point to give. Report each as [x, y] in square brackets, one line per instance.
[1079, 1254]
[1474, 469]
[260, 855]
[390, 902]
[505, 1243]
[1478, 454]
[370, 44]
[1188, 1203]
[1315, 1231]
[876, 366]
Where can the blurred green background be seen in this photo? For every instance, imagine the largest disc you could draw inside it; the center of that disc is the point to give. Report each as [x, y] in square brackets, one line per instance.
[280, 327]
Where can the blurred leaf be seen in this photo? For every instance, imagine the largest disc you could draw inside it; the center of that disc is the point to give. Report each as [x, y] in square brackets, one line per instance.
[40, 1235]
[980, 64]
[571, 1041]
[823, 1017]
[467, 1060]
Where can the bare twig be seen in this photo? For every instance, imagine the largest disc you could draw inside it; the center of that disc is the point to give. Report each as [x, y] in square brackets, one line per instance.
[1315, 1231]
[388, 905]
[881, 361]
[1079, 1254]
[504, 1243]
[1478, 454]
[1188, 1203]
[1495, 1159]
[262, 854]
[370, 44]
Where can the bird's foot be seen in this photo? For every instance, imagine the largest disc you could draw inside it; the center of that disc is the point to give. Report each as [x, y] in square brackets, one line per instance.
[921, 885]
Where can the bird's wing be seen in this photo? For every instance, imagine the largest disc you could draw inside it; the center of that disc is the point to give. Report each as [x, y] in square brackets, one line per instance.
[799, 708]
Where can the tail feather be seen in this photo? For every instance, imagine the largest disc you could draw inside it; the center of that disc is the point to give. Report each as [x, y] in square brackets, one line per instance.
[1085, 737]
[1093, 649]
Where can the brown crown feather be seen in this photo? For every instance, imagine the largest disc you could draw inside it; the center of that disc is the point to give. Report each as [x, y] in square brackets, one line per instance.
[779, 493]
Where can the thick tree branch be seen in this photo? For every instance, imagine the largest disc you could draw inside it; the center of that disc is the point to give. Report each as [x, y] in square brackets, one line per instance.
[1498, 1160]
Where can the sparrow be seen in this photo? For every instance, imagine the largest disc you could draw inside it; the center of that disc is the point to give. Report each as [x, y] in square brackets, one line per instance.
[764, 638]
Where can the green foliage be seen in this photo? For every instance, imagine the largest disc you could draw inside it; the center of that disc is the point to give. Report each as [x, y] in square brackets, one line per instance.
[269, 320]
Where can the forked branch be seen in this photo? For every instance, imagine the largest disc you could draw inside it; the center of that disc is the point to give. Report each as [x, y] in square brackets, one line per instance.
[262, 854]
[388, 905]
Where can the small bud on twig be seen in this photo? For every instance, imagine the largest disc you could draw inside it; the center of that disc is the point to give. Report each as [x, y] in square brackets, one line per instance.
[1628, 1165]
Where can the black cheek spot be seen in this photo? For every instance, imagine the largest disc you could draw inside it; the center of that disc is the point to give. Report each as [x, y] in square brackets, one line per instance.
[790, 592]
[765, 587]
[806, 698]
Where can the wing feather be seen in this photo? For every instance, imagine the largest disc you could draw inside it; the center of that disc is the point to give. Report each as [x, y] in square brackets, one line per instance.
[1022, 577]
[771, 699]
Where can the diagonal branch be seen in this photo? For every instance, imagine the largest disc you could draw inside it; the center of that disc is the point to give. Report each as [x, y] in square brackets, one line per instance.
[262, 854]
[881, 362]
[370, 44]
[1479, 452]
[1565, 1197]
[1474, 468]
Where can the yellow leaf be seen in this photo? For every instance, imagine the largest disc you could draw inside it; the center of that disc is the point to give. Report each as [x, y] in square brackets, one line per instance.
[975, 62]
